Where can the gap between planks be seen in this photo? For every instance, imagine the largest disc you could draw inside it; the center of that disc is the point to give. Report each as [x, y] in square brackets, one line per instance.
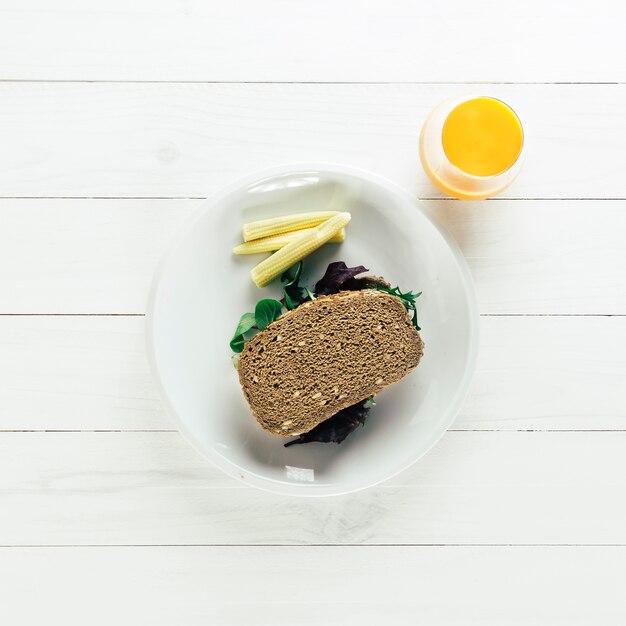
[308, 82]
[481, 315]
[430, 198]
[175, 430]
[308, 545]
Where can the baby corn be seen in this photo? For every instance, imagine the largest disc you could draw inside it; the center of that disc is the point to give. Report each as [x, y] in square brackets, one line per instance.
[276, 242]
[273, 266]
[284, 224]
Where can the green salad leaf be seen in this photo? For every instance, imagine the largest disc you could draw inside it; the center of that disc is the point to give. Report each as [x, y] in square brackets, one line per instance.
[237, 343]
[337, 276]
[408, 300]
[266, 311]
[294, 295]
[247, 323]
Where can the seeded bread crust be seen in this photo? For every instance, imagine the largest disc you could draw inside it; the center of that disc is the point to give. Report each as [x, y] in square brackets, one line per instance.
[327, 355]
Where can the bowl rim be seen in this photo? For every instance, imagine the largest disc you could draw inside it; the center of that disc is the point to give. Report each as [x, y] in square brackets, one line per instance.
[257, 480]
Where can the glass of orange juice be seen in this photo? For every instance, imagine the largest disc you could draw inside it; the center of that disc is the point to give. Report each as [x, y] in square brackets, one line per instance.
[472, 146]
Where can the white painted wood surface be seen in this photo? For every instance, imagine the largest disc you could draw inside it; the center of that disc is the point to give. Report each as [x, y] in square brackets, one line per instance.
[116, 119]
[527, 257]
[329, 41]
[473, 488]
[439, 586]
[188, 140]
[91, 373]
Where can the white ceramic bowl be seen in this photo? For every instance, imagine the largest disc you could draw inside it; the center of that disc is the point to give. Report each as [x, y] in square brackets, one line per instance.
[200, 289]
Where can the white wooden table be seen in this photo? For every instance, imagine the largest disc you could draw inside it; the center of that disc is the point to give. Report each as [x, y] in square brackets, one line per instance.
[115, 119]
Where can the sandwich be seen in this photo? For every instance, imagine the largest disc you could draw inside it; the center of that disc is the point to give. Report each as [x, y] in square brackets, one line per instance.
[313, 371]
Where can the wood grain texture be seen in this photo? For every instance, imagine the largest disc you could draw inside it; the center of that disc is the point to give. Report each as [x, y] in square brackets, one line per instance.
[548, 373]
[98, 256]
[91, 373]
[183, 140]
[472, 488]
[460, 586]
[542, 257]
[83, 256]
[352, 40]
[77, 373]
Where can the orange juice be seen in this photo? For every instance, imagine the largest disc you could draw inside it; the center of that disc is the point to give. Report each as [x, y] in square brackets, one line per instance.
[470, 147]
[482, 137]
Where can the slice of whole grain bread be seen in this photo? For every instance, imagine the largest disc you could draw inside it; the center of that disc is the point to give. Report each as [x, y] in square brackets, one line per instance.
[327, 355]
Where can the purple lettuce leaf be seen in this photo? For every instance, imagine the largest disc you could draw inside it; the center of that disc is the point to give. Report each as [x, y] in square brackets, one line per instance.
[336, 428]
[336, 276]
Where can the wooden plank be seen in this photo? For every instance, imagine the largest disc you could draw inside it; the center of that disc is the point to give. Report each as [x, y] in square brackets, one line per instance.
[542, 257]
[327, 41]
[77, 373]
[548, 373]
[313, 585]
[83, 256]
[183, 140]
[91, 373]
[473, 488]
[98, 256]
